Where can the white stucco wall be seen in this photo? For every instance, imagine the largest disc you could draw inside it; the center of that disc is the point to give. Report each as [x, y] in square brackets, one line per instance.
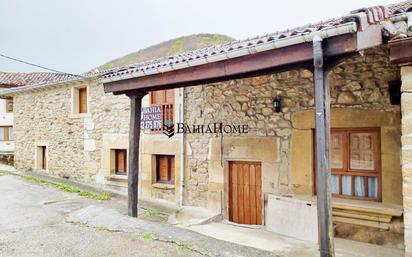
[6, 119]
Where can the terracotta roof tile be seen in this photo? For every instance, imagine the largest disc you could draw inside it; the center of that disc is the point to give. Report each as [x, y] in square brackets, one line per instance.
[399, 8]
[374, 15]
[16, 79]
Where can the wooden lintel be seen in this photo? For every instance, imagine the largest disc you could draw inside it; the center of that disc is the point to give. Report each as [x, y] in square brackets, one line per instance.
[400, 51]
[241, 67]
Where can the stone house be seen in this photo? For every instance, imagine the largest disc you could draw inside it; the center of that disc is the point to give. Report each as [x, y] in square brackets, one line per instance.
[267, 175]
[11, 80]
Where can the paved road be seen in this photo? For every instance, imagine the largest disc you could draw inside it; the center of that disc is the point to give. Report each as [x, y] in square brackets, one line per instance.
[33, 223]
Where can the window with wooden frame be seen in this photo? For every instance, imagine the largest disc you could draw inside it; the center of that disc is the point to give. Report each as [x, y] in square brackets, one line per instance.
[120, 161]
[165, 169]
[6, 133]
[9, 105]
[83, 100]
[165, 99]
[355, 161]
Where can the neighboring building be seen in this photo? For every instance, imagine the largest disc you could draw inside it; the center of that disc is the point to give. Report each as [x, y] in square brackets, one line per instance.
[11, 80]
[72, 129]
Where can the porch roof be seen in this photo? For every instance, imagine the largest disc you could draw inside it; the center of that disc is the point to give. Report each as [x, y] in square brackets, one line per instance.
[358, 30]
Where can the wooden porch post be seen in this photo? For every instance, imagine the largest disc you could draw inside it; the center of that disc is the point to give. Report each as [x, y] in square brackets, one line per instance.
[134, 138]
[322, 119]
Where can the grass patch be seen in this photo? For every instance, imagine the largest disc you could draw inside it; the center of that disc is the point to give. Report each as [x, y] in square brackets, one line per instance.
[2, 173]
[102, 228]
[147, 235]
[152, 212]
[96, 196]
[69, 188]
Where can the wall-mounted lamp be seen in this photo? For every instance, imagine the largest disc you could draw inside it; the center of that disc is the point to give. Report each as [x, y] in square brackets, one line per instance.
[277, 104]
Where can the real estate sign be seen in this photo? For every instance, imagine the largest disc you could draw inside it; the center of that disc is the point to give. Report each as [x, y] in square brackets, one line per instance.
[152, 117]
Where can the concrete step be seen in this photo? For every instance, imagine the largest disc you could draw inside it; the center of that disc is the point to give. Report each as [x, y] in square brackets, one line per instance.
[191, 215]
[118, 178]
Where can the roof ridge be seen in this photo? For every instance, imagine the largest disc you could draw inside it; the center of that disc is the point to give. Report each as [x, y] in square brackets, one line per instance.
[392, 9]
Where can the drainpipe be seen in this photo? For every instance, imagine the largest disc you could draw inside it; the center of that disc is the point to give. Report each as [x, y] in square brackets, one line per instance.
[182, 148]
[322, 118]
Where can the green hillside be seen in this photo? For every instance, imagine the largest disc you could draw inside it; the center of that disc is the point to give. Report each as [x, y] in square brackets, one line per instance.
[168, 48]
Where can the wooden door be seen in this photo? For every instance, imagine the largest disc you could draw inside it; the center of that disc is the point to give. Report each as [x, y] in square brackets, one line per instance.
[245, 192]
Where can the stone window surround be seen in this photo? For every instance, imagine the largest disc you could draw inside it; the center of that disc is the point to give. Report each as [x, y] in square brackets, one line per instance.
[37, 155]
[155, 183]
[74, 99]
[257, 149]
[113, 161]
[112, 141]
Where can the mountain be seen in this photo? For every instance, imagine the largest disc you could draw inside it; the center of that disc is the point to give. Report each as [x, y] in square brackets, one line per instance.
[168, 48]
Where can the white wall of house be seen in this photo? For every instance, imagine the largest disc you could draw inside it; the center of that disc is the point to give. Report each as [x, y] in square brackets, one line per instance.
[6, 119]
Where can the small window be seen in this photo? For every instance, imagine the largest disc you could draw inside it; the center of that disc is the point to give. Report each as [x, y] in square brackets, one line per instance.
[395, 92]
[42, 157]
[9, 105]
[355, 163]
[6, 133]
[165, 169]
[83, 100]
[120, 162]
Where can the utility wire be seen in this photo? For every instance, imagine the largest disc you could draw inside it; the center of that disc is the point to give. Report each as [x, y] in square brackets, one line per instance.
[38, 66]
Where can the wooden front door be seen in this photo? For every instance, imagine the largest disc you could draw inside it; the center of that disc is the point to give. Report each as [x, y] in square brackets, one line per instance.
[245, 192]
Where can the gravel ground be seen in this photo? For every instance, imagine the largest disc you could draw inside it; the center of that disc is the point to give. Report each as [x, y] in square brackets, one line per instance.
[33, 223]
[80, 241]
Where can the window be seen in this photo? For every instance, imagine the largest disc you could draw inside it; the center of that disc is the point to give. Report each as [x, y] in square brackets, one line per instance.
[355, 163]
[6, 133]
[9, 105]
[42, 157]
[80, 101]
[83, 100]
[165, 169]
[120, 162]
[164, 98]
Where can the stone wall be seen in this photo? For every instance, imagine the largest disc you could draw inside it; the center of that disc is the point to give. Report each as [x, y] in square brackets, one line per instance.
[79, 146]
[407, 155]
[359, 82]
[43, 117]
[73, 141]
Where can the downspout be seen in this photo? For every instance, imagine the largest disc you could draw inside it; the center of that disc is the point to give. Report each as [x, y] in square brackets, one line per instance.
[182, 148]
[322, 119]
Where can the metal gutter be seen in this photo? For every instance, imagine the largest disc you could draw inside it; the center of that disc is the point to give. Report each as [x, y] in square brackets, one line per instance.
[182, 148]
[350, 27]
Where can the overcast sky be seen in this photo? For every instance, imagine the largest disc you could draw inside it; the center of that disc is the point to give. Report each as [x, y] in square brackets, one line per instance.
[77, 35]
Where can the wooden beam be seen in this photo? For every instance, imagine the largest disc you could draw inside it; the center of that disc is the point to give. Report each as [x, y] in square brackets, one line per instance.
[322, 126]
[400, 51]
[239, 67]
[134, 139]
